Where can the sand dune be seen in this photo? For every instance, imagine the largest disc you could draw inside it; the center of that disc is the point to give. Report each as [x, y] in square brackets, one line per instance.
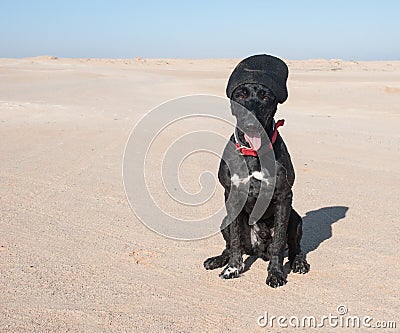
[73, 256]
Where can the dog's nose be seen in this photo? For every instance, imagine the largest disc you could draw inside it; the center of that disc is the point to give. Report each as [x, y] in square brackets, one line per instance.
[250, 127]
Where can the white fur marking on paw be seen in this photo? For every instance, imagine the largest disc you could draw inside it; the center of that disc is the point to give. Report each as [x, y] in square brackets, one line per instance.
[229, 271]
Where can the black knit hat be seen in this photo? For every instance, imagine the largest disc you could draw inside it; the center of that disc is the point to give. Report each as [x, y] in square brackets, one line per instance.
[264, 69]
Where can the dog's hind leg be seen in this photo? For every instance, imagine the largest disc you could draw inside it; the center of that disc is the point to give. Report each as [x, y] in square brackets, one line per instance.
[294, 233]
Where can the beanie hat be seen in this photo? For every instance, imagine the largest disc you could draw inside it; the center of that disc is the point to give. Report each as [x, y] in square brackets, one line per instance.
[264, 69]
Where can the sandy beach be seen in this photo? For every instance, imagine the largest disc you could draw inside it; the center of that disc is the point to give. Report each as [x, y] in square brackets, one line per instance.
[74, 257]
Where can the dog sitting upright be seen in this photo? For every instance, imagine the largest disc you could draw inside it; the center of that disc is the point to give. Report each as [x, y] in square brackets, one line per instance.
[255, 88]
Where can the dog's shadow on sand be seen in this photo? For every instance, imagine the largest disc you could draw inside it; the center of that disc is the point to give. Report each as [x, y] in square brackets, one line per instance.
[317, 228]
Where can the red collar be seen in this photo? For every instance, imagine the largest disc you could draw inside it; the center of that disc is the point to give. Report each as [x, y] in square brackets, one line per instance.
[251, 152]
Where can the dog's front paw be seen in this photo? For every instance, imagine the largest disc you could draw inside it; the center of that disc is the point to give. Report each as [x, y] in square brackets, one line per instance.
[300, 265]
[231, 272]
[275, 279]
[215, 262]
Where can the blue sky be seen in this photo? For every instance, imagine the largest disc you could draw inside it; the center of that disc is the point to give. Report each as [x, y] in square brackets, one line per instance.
[350, 30]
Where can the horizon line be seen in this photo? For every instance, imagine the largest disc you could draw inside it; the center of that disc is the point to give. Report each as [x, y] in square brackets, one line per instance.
[140, 58]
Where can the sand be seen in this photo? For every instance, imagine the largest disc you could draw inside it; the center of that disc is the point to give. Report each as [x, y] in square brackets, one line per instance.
[74, 257]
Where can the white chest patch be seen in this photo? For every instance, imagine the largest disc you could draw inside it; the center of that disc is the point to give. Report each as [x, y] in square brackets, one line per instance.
[236, 181]
[260, 176]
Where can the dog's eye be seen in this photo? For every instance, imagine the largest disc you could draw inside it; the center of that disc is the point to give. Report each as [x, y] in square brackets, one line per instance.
[242, 94]
[264, 96]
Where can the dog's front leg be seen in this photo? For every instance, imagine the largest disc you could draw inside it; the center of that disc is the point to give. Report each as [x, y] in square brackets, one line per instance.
[235, 264]
[234, 203]
[234, 176]
[276, 276]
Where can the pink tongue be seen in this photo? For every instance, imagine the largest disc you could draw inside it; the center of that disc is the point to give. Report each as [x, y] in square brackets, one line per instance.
[254, 140]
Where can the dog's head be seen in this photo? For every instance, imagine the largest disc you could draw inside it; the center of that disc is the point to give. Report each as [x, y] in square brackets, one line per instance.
[254, 107]
[255, 88]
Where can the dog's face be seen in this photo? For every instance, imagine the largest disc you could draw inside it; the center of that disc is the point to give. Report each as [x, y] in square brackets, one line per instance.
[254, 108]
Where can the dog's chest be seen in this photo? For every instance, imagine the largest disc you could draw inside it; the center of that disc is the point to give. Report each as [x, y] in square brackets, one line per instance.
[255, 185]
[252, 182]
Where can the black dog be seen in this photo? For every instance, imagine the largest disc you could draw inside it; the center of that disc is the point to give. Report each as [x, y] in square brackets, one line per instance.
[255, 88]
